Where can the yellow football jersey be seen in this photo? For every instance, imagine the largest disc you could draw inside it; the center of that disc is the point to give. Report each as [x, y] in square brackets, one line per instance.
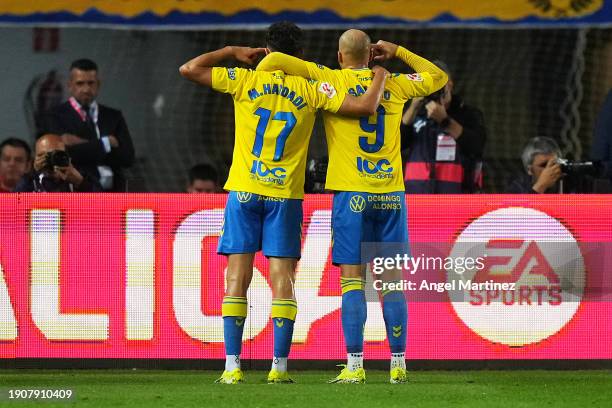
[364, 153]
[274, 117]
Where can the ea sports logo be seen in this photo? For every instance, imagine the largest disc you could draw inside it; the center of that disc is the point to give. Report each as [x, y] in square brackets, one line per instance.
[539, 261]
[357, 203]
[244, 197]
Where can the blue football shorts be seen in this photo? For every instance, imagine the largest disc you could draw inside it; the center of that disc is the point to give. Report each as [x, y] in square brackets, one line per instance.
[252, 222]
[359, 218]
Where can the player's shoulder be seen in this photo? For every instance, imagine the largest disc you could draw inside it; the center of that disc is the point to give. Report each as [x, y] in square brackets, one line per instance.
[352, 77]
[234, 73]
[311, 86]
[400, 83]
[270, 76]
[416, 77]
[321, 67]
[327, 71]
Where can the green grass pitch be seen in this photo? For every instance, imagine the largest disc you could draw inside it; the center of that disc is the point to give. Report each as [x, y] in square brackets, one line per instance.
[154, 388]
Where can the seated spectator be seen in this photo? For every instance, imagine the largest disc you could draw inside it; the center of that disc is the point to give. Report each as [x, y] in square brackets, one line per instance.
[203, 179]
[541, 162]
[54, 172]
[96, 136]
[15, 155]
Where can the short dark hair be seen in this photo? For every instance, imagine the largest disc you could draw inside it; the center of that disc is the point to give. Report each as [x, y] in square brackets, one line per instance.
[84, 64]
[14, 142]
[203, 172]
[285, 37]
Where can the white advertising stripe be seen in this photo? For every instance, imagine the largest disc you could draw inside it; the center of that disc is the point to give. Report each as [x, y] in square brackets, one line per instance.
[140, 274]
[45, 290]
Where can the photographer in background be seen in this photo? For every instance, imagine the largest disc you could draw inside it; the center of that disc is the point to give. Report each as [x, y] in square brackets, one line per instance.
[96, 136]
[445, 140]
[540, 159]
[54, 172]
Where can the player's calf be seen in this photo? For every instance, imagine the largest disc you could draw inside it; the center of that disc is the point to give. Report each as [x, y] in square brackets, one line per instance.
[234, 311]
[395, 314]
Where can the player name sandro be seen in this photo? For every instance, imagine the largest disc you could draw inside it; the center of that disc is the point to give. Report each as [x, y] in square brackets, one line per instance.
[276, 89]
[442, 286]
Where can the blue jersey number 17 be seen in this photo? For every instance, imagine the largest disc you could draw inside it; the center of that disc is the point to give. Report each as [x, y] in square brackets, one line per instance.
[281, 139]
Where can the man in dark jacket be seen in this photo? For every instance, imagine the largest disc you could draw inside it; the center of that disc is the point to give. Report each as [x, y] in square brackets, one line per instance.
[54, 172]
[540, 159]
[96, 136]
[445, 140]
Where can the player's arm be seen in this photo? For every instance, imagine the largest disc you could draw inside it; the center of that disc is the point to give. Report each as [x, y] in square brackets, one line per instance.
[277, 61]
[199, 69]
[384, 50]
[366, 104]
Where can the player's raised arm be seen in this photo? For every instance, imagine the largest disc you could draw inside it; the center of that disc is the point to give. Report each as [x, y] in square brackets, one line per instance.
[384, 50]
[366, 104]
[277, 61]
[290, 65]
[199, 69]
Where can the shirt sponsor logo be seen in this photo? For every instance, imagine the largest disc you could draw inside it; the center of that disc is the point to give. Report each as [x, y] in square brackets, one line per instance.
[265, 174]
[415, 77]
[327, 89]
[380, 169]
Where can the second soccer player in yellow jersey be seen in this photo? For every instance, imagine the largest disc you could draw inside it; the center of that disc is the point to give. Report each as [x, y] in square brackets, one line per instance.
[365, 171]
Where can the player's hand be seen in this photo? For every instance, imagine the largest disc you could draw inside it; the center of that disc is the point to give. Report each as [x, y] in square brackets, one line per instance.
[383, 50]
[68, 174]
[248, 55]
[436, 111]
[549, 176]
[71, 140]
[378, 70]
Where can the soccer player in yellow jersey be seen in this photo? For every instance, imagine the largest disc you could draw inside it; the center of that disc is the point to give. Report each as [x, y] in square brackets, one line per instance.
[365, 171]
[274, 117]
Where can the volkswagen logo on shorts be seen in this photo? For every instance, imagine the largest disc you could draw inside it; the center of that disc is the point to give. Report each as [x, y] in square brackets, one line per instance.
[244, 197]
[357, 203]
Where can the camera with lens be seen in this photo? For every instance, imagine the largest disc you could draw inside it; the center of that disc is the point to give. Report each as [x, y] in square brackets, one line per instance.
[57, 158]
[578, 168]
[581, 177]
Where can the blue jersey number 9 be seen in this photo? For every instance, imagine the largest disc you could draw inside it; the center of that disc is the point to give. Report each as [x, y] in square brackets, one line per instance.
[378, 127]
[281, 139]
